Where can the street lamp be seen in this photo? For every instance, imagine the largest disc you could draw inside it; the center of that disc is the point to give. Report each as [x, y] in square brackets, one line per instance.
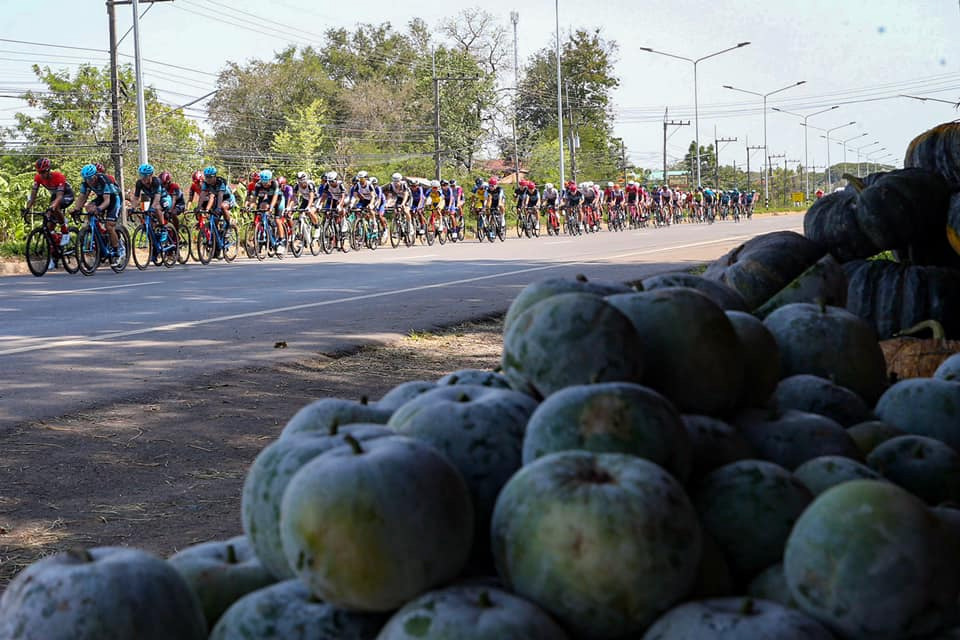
[829, 174]
[924, 99]
[859, 149]
[806, 174]
[696, 110]
[873, 160]
[766, 181]
[844, 143]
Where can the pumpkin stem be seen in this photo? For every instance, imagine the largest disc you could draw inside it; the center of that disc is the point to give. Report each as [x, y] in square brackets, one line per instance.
[83, 555]
[334, 427]
[453, 379]
[932, 325]
[463, 397]
[581, 278]
[364, 400]
[748, 608]
[484, 600]
[231, 554]
[855, 182]
[822, 303]
[354, 444]
[498, 369]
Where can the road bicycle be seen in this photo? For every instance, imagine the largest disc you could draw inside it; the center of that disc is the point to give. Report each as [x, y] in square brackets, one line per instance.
[367, 230]
[528, 222]
[434, 225]
[304, 234]
[262, 237]
[616, 217]
[571, 221]
[154, 243]
[44, 249]
[402, 228]
[215, 238]
[453, 225]
[94, 246]
[335, 230]
[553, 221]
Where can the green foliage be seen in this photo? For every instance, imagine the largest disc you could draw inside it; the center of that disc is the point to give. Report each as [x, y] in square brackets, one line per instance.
[297, 146]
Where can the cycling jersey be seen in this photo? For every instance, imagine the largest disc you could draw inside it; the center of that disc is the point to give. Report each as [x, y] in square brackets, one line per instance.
[303, 192]
[435, 197]
[550, 195]
[398, 190]
[449, 198]
[103, 189]
[220, 190]
[175, 194]
[333, 194]
[364, 192]
[417, 197]
[616, 196]
[533, 198]
[573, 197]
[146, 192]
[496, 195]
[54, 182]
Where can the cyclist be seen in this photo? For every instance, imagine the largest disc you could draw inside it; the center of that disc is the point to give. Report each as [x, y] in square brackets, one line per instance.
[573, 198]
[418, 200]
[269, 197]
[362, 193]
[196, 190]
[735, 200]
[61, 195]
[458, 194]
[380, 206]
[148, 189]
[495, 199]
[450, 205]
[590, 200]
[614, 198]
[531, 200]
[434, 200]
[172, 203]
[399, 191]
[333, 196]
[750, 198]
[106, 204]
[304, 194]
[217, 194]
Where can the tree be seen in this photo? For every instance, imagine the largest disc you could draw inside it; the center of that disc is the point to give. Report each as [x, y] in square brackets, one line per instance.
[298, 145]
[480, 35]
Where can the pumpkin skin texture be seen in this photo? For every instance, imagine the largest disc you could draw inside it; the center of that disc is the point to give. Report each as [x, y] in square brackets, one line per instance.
[831, 343]
[402, 393]
[938, 150]
[761, 358]
[715, 444]
[612, 417]
[103, 593]
[953, 223]
[556, 521]
[714, 579]
[735, 619]
[764, 265]
[823, 281]
[824, 472]
[748, 508]
[569, 339]
[790, 438]
[832, 222]
[371, 525]
[220, 573]
[480, 430]
[818, 395]
[771, 585]
[893, 297]
[268, 478]
[543, 289]
[924, 406]
[872, 561]
[476, 377]
[723, 296]
[471, 612]
[868, 435]
[949, 370]
[327, 413]
[927, 468]
[287, 611]
[690, 350]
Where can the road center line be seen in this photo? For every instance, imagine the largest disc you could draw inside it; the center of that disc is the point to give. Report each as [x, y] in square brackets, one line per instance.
[91, 289]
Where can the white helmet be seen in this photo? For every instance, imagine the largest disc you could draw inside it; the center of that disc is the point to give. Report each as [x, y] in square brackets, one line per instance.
[435, 183]
[302, 176]
[373, 180]
[331, 175]
[361, 174]
[610, 184]
[631, 183]
[549, 185]
[396, 177]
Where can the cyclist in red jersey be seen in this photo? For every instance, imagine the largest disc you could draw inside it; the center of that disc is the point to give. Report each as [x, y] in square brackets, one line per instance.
[196, 190]
[61, 194]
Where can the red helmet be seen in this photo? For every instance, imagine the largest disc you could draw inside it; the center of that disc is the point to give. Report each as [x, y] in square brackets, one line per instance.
[165, 177]
[197, 176]
[531, 184]
[255, 176]
[282, 181]
[572, 185]
[43, 164]
[100, 167]
[493, 181]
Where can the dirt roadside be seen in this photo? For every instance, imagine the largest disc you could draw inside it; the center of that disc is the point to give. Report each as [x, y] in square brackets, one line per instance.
[162, 473]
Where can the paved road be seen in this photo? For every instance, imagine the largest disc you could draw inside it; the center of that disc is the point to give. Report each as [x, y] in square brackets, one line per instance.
[69, 342]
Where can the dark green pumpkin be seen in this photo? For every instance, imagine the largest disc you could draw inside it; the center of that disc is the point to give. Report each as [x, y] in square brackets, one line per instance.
[823, 281]
[937, 149]
[762, 358]
[924, 406]
[762, 266]
[892, 296]
[818, 395]
[927, 468]
[715, 444]
[543, 289]
[792, 437]
[953, 223]
[726, 298]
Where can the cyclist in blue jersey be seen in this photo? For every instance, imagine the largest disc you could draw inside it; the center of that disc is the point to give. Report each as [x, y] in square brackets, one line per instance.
[216, 194]
[380, 204]
[105, 205]
[149, 189]
[269, 196]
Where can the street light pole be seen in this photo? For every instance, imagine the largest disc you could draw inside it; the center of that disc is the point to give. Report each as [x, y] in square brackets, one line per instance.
[141, 107]
[514, 18]
[766, 149]
[696, 99]
[858, 149]
[829, 172]
[559, 93]
[806, 174]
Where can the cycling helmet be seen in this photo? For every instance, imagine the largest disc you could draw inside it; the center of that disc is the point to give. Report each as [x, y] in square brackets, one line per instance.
[453, 183]
[88, 171]
[331, 175]
[266, 175]
[374, 181]
[255, 176]
[609, 184]
[43, 164]
[165, 177]
[302, 176]
[210, 172]
[478, 182]
[444, 183]
[281, 181]
[197, 176]
[435, 183]
[549, 185]
[531, 184]
[361, 174]
[145, 170]
[492, 182]
[396, 177]
[100, 167]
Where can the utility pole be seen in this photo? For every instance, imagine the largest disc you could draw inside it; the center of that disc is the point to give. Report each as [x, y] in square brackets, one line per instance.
[436, 110]
[514, 18]
[749, 149]
[556, 6]
[770, 159]
[716, 154]
[574, 138]
[115, 151]
[669, 123]
[623, 159]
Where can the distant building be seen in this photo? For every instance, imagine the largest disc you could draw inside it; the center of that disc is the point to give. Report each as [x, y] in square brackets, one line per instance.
[678, 178]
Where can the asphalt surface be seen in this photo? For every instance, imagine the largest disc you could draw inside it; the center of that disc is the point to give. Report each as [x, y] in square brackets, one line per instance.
[69, 343]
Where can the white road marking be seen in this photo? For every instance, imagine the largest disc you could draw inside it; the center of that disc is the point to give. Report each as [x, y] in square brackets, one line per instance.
[324, 303]
[91, 289]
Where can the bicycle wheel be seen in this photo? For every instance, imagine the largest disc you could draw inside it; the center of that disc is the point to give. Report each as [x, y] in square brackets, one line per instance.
[140, 247]
[439, 229]
[250, 239]
[328, 236]
[89, 252]
[123, 245]
[296, 241]
[520, 225]
[396, 231]
[409, 232]
[184, 239]
[37, 252]
[315, 240]
[171, 248]
[70, 253]
[231, 244]
[205, 245]
[262, 244]
[357, 234]
[500, 226]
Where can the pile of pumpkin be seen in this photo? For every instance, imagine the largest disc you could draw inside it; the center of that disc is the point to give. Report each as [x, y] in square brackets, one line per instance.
[651, 461]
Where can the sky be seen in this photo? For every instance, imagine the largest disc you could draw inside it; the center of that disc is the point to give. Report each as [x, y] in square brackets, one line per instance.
[856, 54]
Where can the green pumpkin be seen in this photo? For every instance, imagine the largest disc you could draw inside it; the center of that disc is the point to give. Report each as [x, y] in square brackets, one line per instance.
[323, 415]
[735, 619]
[949, 369]
[893, 297]
[471, 612]
[869, 434]
[103, 593]
[748, 508]
[714, 579]
[402, 393]
[543, 289]
[220, 573]
[477, 377]
[814, 394]
[824, 281]
[288, 611]
[819, 474]
[761, 359]
[953, 223]
[765, 264]
[268, 478]
[771, 584]
[872, 561]
[831, 343]
[569, 339]
[927, 468]
[370, 525]
[611, 417]
[790, 438]
[714, 444]
[557, 520]
[924, 406]
[938, 150]
[690, 350]
[832, 222]
[723, 296]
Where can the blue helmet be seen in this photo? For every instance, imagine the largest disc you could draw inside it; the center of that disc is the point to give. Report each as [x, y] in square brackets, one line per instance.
[145, 170]
[266, 175]
[88, 171]
[210, 171]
